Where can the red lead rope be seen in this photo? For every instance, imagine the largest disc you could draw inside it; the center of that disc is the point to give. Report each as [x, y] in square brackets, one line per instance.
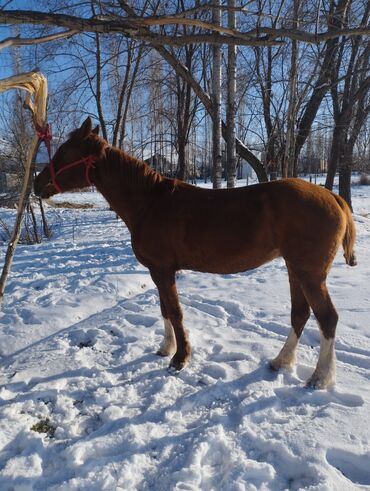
[45, 135]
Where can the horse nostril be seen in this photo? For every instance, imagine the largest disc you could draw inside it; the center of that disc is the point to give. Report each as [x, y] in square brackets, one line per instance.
[38, 188]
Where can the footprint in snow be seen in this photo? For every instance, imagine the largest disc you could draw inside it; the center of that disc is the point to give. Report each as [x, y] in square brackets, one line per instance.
[347, 348]
[132, 307]
[83, 338]
[261, 280]
[29, 317]
[230, 356]
[214, 371]
[113, 330]
[231, 308]
[358, 360]
[354, 467]
[207, 308]
[302, 395]
[141, 320]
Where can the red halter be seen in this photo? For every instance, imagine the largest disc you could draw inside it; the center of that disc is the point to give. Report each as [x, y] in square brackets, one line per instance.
[45, 135]
[89, 164]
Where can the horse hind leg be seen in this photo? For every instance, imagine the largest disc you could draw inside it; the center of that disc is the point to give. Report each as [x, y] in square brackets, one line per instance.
[318, 297]
[300, 313]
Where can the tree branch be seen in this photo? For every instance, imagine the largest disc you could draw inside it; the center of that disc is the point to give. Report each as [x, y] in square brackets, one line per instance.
[18, 41]
[131, 27]
[214, 38]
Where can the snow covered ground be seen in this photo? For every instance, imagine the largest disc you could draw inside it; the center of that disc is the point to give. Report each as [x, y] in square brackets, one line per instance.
[85, 404]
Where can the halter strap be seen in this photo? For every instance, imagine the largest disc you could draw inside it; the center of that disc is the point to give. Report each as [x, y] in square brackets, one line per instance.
[87, 161]
[53, 176]
[44, 133]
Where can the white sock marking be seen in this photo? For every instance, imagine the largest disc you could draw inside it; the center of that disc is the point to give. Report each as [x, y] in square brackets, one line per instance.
[168, 345]
[287, 356]
[324, 374]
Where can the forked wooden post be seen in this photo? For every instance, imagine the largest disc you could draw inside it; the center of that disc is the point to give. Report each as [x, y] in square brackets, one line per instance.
[36, 99]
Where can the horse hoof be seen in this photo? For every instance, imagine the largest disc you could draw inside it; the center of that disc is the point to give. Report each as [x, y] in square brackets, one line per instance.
[177, 365]
[172, 370]
[162, 352]
[273, 366]
[277, 364]
[319, 383]
[315, 384]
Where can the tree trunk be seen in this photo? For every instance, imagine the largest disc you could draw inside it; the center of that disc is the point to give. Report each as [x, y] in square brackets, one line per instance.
[231, 106]
[182, 167]
[345, 170]
[23, 201]
[216, 103]
[34, 223]
[265, 82]
[45, 226]
[122, 93]
[289, 162]
[123, 122]
[98, 88]
[36, 85]
[335, 152]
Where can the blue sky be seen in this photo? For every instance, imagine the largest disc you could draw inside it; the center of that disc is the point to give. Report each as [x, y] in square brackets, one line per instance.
[6, 64]
[5, 31]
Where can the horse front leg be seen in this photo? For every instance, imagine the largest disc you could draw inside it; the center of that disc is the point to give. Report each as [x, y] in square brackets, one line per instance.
[166, 284]
[168, 345]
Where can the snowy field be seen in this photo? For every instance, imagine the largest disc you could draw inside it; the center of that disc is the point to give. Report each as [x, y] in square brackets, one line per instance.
[87, 405]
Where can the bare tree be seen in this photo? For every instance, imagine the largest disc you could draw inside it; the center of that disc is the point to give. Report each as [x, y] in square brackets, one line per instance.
[351, 105]
[156, 25]
[35, 84]
[134, 58]
[216, 103]
[289, 166]
[335, 21]
[271, 108]
[231, 102]
[184, 102]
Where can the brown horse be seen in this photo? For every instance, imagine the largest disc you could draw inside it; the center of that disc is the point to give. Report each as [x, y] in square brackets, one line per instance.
[175, 226]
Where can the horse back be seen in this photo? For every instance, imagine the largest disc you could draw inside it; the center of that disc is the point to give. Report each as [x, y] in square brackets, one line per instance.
[227, 231]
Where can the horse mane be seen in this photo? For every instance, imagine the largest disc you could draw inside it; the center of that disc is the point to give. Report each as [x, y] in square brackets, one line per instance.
[134, 174]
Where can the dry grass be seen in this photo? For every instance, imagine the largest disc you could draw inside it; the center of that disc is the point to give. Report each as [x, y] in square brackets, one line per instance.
[44, 426]
[68, 204]
[364, 180]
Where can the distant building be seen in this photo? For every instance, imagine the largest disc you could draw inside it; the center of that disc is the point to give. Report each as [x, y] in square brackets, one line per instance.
[161, 164]
[312, 165]
[10, 168]
[9, 175]
[244, 170]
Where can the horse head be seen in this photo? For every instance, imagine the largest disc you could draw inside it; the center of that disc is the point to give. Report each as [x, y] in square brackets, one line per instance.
[71, 165]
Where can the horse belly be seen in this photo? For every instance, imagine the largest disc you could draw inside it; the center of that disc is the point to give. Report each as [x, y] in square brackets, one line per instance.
[228, 253]
[231, 264]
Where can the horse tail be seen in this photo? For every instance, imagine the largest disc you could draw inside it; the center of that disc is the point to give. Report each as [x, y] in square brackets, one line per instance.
[349, 237]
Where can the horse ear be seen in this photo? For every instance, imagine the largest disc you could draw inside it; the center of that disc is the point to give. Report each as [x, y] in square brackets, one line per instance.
[96, 130]
[85, 129]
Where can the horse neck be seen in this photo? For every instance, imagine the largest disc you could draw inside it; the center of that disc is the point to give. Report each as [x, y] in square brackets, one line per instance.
[126, 183]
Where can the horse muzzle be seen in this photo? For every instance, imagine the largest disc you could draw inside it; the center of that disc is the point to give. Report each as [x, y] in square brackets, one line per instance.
[42, 186]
